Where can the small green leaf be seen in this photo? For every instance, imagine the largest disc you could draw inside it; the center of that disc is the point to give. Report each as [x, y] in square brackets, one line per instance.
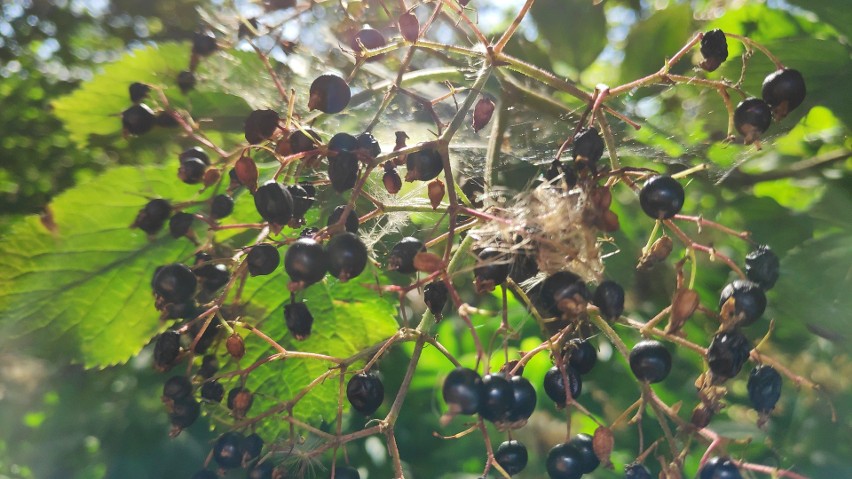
[575, 29]
[654, 39]
[82, 293]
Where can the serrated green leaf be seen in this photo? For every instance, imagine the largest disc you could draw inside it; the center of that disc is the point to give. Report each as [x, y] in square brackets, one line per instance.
[82, 293]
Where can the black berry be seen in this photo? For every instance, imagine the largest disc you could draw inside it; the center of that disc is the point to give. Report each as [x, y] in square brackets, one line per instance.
[498, 398]
[762, 266]
[351, 224]
[252, 446]
[764, 388]
[636, 471]
[138, 91]
[727, 353]
[262, 259]
[347, 256]
[227, 451]
[343, 142]
[209, 366]
[138, 119]
[742, 303]
[222, 206]
[302, 201]
[208, 336]
[661, 197]
[462, 391]
[752, 118]
[191, 171]
[166, 350]
[329, 94]
[714, 49]
[525, 399]
[368, 38]
[474, 188]
[274, 203]
[650, 361]
[581, 355]
[435, 297]
[719, 468]
[184, 412]
[203, 43]
[153, 216]
[609, 298]
[512, 456]
[583, 443]
[180, 223]
[401, 257]
[175, 283]
[301, 142]
[212, 276]
[554, 385]
[564, 292]
[564, 461]
[783, 91]
[212, 391]
[177, 387]
[343, 170]
[492, 269]
[368, 143]
[305, 262]
[260, 125]
[423, 165]
[365, 393]
[240, 401]
[299, 320]
[186, 81]
[588, 148]
[194, 152]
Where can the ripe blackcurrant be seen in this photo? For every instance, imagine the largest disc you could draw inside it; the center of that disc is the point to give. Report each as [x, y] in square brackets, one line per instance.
[752, 118]
[227, 451]
[498, 398]
[727, 353]
[650, 361]
[165, 119]
[762, 266]
[365, 393]
[221, 206]
[302, 201]
[401, 257]
[203, 43]
[583, 443]
[462, 391]
[423, 165]
[262, 259]
[209, 366]
[298, 319]
[264, 470]
[409, 26]
[588, 148]
[194, 152]
[435, 297]
[714, 49]
[212, 391]
[742, 303]
[368, 143]
[525, 399]
[346, 472]
[636, 471]
[343, 142]
[153, 216]
[554, 385]
[609, 298]
[581, 355]
[240, 401]
[764, 388]
[564, 293]
[138, 91]
[252, 446]
[184, 413]
[177, 387]
[186, 81]
[301, 142]
[207, 337]
[347, 256]
[564, 461]
[138, 119]
[166, 350]
[351, 224]
[661, 197]
[369, 39]
[492, 269]
[512, 456]
[180, 223]
[175, 283]
[343, 170]
[191, 171]
[305, 262]
[783, 91]
[719, 468]
[260, 125]
[212, 276]
[329, 93]
[274, 203]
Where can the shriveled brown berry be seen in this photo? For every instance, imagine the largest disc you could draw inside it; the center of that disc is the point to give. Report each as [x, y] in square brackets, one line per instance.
[260, 125]
[436, 191]
[684, 303]
[235, 346]
[409, 26]
[482, 112]
[246, 171]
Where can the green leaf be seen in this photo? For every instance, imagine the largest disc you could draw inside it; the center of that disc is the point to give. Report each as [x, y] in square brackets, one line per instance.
[652, 40]
[575, 29]
[82, 293]
[348, 317]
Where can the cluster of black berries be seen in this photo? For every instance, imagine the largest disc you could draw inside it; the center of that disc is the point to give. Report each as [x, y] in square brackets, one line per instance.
[783, 91]
[233, 450]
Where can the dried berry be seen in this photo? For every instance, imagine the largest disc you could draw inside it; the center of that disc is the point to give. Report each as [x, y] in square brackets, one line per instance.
[752, 118]
[409, 26]
[482, 112]
[368, 39]
[239, 401]
[391, 179]
[436, 191]
[714, 49]
[684, 303]
[262, 259]
[298, 319]
[245, 170]
[235, 346]
[138, 119]
[329, 94]
[260, 125]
